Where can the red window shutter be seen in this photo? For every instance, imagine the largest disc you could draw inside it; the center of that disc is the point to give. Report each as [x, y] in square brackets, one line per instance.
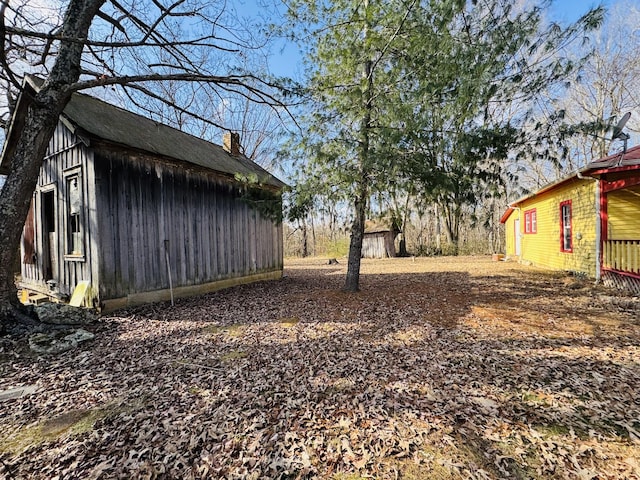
[28, 238]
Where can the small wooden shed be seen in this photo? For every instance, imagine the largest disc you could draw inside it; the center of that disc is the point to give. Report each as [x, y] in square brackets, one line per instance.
[141, 211]
[379, 240]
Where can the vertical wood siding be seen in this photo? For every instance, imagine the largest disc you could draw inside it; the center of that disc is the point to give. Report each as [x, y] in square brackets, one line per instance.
[623, 212]
[378, 245]
[373, 246]
[212, 234]
[64, 152]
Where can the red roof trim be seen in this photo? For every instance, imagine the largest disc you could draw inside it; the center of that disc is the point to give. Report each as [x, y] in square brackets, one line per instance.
[623, 168]
[506, 215]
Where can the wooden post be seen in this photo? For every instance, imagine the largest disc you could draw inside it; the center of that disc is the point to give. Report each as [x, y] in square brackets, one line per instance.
[166, 256]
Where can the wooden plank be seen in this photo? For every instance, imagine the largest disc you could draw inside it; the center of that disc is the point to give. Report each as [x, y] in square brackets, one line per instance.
[156, 257]
[222, 233]
[181, 241]
[107, 212]
[146, 228]
[92, 236]
[122, 219]
[196, 253]
[141, 234]
[214, 233]
[280, 243]
[240, 236]
[79, 296]
[203, 231]
[211, 229]
[163, 234]
[189, 233]
[231, 244]
[242, 233]
[239, 233]
[252, 241]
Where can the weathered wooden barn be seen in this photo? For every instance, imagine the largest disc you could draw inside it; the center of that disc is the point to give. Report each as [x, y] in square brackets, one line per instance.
[142, 212]
[379, 240]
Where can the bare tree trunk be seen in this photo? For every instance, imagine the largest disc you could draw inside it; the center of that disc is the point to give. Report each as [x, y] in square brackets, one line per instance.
[436, 212]
[31, 144]
[15, 198]
[452, 217]
[305, 242]
[352, 282]
[313, 237]
[402, 250]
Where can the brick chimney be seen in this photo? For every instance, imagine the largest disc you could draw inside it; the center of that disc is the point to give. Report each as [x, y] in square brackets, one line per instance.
[231, 143]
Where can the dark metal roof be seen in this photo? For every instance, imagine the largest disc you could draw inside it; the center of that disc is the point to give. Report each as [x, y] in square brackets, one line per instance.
[622, 159]
[113, 124]
[107, 122]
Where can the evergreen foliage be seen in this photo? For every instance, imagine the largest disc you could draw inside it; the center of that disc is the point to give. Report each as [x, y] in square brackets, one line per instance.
[426, 99]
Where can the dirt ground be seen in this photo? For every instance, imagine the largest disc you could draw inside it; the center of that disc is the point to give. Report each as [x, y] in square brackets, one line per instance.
[439, 368]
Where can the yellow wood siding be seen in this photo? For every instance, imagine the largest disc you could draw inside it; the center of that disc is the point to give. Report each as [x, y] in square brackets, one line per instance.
[509, 233]
[623, 208]
[544, 247]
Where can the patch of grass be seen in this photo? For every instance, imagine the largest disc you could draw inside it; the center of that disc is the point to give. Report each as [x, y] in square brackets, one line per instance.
[75, 422]
[434, 467]
[347, 476]
[289, 322]
[338, 248]
[232, 355]
[589, 423]
[199, 391]
[340, 385]
[519, 462]
[553, 430]
[534, 397]
[234, 331]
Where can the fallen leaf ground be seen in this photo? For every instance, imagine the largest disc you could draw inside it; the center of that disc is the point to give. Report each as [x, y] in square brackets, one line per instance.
[437, 369]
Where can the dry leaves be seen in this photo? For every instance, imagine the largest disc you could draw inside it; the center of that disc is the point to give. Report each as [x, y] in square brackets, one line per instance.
[438, 368]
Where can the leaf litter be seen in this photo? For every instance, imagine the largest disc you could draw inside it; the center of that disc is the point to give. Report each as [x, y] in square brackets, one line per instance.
[437, 368]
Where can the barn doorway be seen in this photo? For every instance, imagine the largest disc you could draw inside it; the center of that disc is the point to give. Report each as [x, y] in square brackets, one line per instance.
[49, 241]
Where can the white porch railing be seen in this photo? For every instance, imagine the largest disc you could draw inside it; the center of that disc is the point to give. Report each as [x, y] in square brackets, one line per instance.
[622, 255]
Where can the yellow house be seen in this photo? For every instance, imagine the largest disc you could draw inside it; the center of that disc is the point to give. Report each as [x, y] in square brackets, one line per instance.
[586, 223]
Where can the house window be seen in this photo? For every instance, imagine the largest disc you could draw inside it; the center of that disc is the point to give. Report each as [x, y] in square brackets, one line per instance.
[530, 221]
[75, 247]
[566, 244]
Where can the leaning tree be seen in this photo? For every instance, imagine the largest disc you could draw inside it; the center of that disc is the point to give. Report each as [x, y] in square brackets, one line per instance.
[129, 44]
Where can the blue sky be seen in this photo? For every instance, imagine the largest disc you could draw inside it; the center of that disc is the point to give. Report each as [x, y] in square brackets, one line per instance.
[570, 10]
[286, 61]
